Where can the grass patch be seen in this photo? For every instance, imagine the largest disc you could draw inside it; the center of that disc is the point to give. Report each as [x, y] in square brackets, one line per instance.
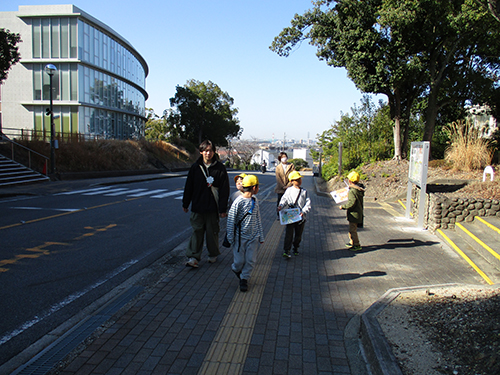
[113, 155]
[468, 150]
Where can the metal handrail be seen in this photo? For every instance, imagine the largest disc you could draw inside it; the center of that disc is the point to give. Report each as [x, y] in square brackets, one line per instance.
[30, 151]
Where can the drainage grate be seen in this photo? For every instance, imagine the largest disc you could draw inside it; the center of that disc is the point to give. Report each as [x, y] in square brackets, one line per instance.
[46, 359]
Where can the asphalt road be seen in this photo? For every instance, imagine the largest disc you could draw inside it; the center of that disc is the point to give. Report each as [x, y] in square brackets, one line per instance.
[59, 253]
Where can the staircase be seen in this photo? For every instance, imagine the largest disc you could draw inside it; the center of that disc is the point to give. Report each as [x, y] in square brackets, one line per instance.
[13, 173]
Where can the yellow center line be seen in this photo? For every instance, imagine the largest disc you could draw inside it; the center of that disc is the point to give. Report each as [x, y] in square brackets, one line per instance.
[467, 259]
[229, 349]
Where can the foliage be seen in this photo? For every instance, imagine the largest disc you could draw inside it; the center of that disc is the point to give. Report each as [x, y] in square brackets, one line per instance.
[468, 149]
[364, 134]
[202, 111]
[9, 52]
[299, 163]
[155, 127]
[441, 53]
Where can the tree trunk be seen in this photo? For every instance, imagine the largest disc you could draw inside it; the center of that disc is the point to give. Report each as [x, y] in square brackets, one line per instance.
[397, 125]
[430, 115]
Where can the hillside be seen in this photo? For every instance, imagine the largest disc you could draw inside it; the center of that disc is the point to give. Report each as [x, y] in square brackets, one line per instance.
[389, 179]
[106, 155]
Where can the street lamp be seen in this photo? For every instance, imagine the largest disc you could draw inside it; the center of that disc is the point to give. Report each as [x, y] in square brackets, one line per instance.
[50, 69]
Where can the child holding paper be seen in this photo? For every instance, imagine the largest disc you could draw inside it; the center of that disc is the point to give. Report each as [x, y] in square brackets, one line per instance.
[295, 197]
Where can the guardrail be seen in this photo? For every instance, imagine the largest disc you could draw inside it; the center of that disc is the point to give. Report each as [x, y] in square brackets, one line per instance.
[30, 152]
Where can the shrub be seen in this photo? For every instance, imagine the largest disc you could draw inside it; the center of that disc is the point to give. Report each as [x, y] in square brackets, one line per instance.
[299, 163]
[468, 150]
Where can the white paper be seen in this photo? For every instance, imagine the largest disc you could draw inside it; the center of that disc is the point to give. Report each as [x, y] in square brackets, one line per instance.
[289, 216]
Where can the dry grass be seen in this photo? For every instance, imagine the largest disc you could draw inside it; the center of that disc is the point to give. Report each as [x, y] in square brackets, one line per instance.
[468, 150]
[113, 155]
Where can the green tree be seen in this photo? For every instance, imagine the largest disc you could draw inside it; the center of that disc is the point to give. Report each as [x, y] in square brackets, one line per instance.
[202, 111]
[493, 7]
[155, 127]
[9, 52]
[364, 134]
[405, 49]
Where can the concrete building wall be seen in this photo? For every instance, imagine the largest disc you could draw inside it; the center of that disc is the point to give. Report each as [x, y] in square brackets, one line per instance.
[19, 90]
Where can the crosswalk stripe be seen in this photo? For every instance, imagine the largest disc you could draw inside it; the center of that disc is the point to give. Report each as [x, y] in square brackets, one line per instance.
[147, 193]
[101, 192]
[124, 192]
[168, 194]
[101, 189]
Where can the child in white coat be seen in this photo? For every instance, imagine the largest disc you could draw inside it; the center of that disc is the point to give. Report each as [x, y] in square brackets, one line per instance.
[295, 197]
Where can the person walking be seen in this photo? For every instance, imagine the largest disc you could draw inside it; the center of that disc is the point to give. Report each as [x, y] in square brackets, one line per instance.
[207, 191]
[295, 197]
[354, 207]
[244, 230]
[283, 169]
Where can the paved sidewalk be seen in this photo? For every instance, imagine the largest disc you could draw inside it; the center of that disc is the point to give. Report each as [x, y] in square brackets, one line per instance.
[296, 317]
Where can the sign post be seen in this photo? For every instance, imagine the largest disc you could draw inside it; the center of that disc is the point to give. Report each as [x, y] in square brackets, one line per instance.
[417, 174]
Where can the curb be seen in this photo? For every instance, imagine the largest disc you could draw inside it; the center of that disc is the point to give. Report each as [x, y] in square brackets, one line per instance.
[378, 352]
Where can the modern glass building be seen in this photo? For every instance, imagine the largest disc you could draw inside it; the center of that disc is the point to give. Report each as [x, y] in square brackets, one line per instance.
[98, 88]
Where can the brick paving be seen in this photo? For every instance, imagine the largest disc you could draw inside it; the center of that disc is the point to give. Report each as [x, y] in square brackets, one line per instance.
[292, 320]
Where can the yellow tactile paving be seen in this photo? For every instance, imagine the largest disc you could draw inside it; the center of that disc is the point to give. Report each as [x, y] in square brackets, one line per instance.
[229, 349]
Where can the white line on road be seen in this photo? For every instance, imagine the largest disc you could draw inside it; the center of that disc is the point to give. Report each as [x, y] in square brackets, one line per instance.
[147, 193]
[84, 191]
[123, 192]
[167, 194]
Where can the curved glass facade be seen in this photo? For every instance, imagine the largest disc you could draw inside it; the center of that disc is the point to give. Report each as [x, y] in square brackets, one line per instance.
[99, 87]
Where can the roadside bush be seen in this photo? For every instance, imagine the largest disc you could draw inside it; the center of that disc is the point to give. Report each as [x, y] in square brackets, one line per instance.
[468, 150]
[299, 163]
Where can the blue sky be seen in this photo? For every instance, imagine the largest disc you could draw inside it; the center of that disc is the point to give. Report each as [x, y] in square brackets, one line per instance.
[227, 42]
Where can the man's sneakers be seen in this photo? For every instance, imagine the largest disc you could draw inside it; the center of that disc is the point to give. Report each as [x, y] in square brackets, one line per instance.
[243, 285]
[192, 262]
[286, 255]
[212, 259]
[352, 247]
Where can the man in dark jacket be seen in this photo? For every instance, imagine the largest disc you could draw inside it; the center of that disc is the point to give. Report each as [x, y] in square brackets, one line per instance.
[207, 190]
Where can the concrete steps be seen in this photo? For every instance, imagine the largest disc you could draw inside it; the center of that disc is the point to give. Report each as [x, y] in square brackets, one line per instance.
[13, 173]
[477, 242]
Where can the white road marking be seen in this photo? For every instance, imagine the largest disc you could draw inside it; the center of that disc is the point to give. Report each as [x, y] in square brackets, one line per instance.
[147, 193]
[124, 192]
[170, 193]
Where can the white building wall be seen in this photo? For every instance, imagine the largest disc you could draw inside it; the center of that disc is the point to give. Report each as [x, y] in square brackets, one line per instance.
[18, 91]
[303, 153]
[261, 155]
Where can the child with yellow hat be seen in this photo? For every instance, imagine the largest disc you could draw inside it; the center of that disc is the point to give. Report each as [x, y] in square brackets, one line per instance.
[354, 207]
[295, 197]
[244, 230]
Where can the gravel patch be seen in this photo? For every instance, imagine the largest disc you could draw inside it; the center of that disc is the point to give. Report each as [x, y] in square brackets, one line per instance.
[445, 331]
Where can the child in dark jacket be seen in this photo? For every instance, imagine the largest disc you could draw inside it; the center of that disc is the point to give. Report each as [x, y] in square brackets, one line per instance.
[354, 207]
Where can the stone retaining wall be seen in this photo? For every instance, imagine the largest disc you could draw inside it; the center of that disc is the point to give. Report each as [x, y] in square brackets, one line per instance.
[443, 212]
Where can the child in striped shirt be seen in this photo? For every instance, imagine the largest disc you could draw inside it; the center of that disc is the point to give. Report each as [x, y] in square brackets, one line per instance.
[244, 230]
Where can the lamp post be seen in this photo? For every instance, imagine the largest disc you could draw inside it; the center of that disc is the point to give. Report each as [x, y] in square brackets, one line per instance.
[50, 69]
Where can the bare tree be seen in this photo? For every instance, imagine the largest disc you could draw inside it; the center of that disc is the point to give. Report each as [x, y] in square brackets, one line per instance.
[245, 150]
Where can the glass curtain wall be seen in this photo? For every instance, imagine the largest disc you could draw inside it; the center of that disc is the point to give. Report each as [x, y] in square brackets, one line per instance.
[105, 106]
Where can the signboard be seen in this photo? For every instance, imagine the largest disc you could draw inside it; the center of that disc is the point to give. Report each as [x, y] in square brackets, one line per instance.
[417, 174]
[419, 163]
